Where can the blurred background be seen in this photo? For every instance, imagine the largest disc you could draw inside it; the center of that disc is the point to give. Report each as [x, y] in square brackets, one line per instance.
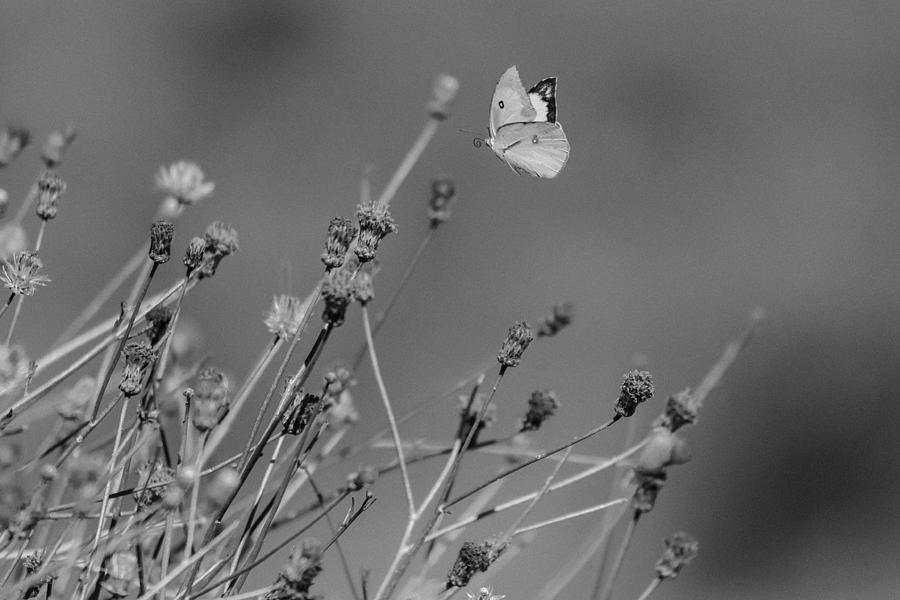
[724, 156]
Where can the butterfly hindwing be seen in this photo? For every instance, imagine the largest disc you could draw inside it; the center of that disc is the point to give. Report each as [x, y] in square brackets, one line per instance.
[543, 99]
[538, 148]
[510, 103]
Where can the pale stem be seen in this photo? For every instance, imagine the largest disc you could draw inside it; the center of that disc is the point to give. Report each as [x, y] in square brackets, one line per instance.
[650, 589]
[408, 162]
[571, 515]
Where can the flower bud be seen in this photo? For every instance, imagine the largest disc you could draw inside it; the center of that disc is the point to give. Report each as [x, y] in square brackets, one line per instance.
[50, 188]
[442, 96]
[341, 233]
[473, 557]
[514, 346]
[637, 387]
[161, 233]
[137, 356]
[210, 401]
[375, 223]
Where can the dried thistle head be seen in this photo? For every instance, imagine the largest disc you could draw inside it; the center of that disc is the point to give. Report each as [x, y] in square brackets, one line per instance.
[341, 233]
[647, 490]
[681, 549]
[185, 182]
[472, 558]
[161, 233]
[680, 410]
[20, 275]
[158, 320]
[50, 188]
[375, 223]
[517, 340]
[221, 240]
[637, 387]
[137, 355]
[299, 574]
[337, 292]
[193, 257]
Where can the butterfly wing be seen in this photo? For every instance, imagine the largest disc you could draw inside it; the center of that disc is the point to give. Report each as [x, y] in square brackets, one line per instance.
[510, 103]
[543, 99]
[539, 148]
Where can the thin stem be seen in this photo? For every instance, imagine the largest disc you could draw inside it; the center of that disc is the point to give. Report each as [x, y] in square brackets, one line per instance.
[514, 526]
[410, 501]
[15, 319]
[9, 300]
[195, 495]
[650, 589]
[40, 236]
[344, 564]
[408, 162]
[30, 197]
[571, 515]
[606, 590]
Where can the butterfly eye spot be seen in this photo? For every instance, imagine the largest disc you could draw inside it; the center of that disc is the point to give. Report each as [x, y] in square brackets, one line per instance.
[500, 104]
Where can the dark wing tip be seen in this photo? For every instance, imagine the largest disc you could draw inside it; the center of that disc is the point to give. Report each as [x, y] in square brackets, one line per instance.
[546, 89]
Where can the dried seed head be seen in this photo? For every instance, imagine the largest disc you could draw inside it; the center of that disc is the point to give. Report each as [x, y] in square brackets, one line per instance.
[121, 574]
[337, 292]
[285, 316]
[20, 275]
[158, 319]
[680, 411]
[442, 193]
[137, 356]
[473, 557]
[185, 182]
[50, 188]
[161, 233]
[363, 478]
[341, 233]
[12, 239]
[663, 449]
[375, 223]
[442, 95]
[560, 316]
[12, 141]
[210, 400]
[299, 574]
[637, 387]
[221, 240]
[514, 346]
[542, 405]
[648, 486]
[56, 145]
[681, 548]
[196, 250]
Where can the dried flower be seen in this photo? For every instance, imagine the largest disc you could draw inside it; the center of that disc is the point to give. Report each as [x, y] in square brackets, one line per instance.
[158, 320]
[541, 405]
[337, 292]
[161, 233]
[32, 564]
[516, 342]
[148, 490]
[442, 193]
[473, 557]
[121, 574]
[184, 181]
[285, 316]
[442, 95]
[680, 411]
[196, 250]
[137, 356]
[560, 317]
[50, 188]
[56, 145]
[299, 574]
[637, 387]
[341, 233]
[210, 401]
[375, 223]
[663, 449]
[21, 274]
[648, 486]
[221, 240]
[681, 548]
[12, 141]
[363, 478]
[12, 239]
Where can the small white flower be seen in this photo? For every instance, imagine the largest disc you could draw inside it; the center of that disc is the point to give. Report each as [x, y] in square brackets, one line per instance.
[20, 274]
[184, 181]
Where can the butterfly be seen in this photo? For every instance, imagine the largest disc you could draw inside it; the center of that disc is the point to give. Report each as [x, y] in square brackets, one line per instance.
[523, 128]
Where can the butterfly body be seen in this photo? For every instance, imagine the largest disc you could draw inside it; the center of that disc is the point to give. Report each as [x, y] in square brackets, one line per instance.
[523, 128]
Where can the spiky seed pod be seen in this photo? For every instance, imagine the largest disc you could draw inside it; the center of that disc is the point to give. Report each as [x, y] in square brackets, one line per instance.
[193, 257]
[473, 557]
[375, 223]
[185, 182]
[285, 316]
[299, 574]
[50, 188]
[56, 145]
[12, 141]
[680, 411]
[541, 405]
[161, 233]
[341, 233]
[442, 193]
[681, 549]
[20, 275]
[210, 400]
[517, 340]
[648, 486]
[137, 356]
[637, 387]
[337, 292]
[443, 93]
[560, 317]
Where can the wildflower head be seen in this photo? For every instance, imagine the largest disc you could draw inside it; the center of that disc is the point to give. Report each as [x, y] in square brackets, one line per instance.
[210, 400]
[681, 548]
[473, 557]
[158, 319]
[285, 316]
[12, 141]
[442, 95]
[56, 145]
[161, 233]
[299, 574]
[221, 240]
[637, 387]
[337, 292]
[137, 356]
[648, 486]
[559, 317]
[20, 275]
[375, 223]
[541, 405]
[442, 193]
[185, 182]
[361, 479]
[662, 450]
[680, 411]
[153, 479]
[196, 251]
[514, 346]
[50, 187]
[341, 233]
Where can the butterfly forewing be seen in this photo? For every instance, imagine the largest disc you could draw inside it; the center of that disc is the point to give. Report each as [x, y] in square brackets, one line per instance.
[539, 148]
[543, 99]
[510, 103]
